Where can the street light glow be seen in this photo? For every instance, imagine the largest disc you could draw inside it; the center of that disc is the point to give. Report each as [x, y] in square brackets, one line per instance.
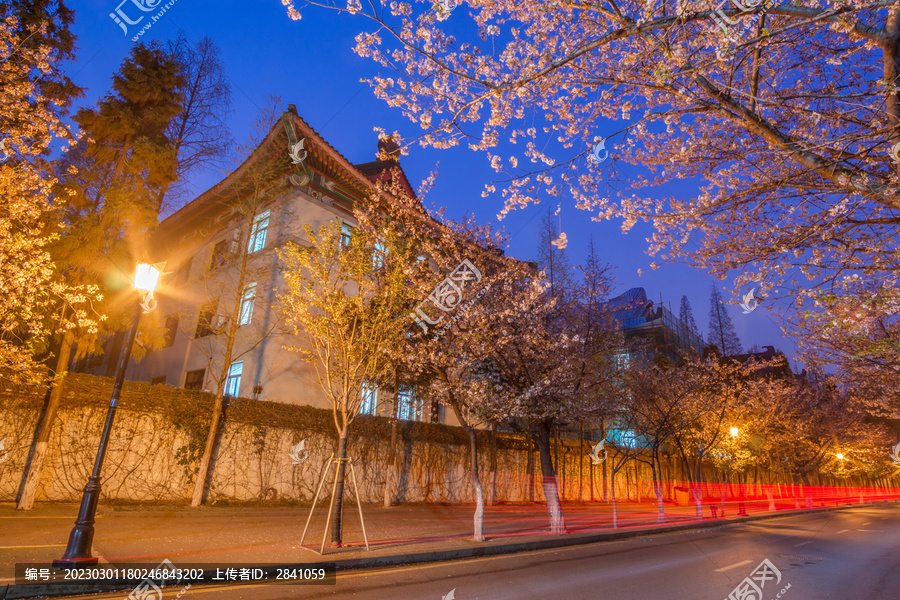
[146, 276]
[734, 432]
[840, 456]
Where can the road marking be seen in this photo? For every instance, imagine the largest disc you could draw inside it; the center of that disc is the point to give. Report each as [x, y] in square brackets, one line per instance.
[842, 531]
[867, 523]
[37, 517]
[802, 544]
[871, 530]
[734, 566]
[36, 546]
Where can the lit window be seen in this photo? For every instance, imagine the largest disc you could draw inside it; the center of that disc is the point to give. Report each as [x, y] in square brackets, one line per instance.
[258, 232]
[247, 304]
[369, 399]
[233, 381]
[409, 407]
[346, 235]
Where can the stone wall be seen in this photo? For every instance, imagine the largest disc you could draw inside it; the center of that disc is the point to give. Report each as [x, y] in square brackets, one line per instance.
[159, 432]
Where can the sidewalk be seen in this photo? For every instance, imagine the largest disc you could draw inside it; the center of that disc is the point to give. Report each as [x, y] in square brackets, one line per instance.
[269, 536]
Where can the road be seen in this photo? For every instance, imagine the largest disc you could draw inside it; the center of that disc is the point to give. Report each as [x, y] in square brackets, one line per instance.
[842, 555]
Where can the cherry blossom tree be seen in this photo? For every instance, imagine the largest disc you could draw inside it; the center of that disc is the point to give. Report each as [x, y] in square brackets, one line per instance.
[550, 361]
[444, 348]
[788, 114]
[37, 302]
[347, 303]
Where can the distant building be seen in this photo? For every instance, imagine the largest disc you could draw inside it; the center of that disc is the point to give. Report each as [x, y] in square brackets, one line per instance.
[655, 325]
[779, 370]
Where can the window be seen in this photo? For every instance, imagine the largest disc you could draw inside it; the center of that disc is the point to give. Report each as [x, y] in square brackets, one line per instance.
[161, 380]
[369, 400]
[219, 255]
[171, 330]
[193, 380]
[258, 232]
[409, 407]
[346, 234]
[378, 254]
[233, 381]
[438, 412]
[247, 304]
[206, 321]
[184, 271]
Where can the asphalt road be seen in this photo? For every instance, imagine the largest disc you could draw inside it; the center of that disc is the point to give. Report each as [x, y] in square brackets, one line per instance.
[842, 555]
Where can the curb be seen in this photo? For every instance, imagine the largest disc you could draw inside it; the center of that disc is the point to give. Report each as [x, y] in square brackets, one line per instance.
[34, 590]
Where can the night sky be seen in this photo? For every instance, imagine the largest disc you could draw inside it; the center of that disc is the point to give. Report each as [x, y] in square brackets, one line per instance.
[310, 63]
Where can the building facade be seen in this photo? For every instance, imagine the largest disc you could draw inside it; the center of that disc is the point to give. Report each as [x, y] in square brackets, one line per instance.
[217, 302]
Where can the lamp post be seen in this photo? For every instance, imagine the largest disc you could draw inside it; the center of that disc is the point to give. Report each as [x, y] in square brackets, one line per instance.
[78, 550]
[742, 508]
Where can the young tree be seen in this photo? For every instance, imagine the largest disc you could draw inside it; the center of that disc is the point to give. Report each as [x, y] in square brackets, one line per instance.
[693, 97]
[106, 194]
[549, 362]
[652, 408]
[687, 316]
[623, 449]
[721, 329]
[453, 355]
[345, 301]
[231, 282]
[699, 394]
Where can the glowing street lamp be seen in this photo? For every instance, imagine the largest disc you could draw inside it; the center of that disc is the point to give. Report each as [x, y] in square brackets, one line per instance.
[734, 432]
[840, 456]
[78, 550]
[146, 276]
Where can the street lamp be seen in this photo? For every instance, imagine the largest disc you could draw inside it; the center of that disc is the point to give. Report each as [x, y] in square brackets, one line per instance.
[742, 509]
[840, 456]
[78, 550]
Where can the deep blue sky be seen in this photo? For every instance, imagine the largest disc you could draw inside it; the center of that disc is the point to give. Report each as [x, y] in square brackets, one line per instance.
[310, 63]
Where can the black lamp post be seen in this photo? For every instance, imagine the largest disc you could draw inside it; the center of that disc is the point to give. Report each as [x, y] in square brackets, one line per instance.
[78, 550]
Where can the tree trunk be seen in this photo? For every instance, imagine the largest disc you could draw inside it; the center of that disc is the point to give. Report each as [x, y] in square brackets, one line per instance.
[201, 484]
[655, 469]
[492, 485]
[698, 491]
[392, 469]
[478, 521]
[36, 464]
[337, 506]
[591, 470]
[723, 493]
[581, 466]
[529, 472]
[806, 490]
[603, 434]
[548, 479]
[612, 495]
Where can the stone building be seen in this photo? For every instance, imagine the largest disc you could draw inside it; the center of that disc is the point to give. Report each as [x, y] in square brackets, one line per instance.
[222, 272]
